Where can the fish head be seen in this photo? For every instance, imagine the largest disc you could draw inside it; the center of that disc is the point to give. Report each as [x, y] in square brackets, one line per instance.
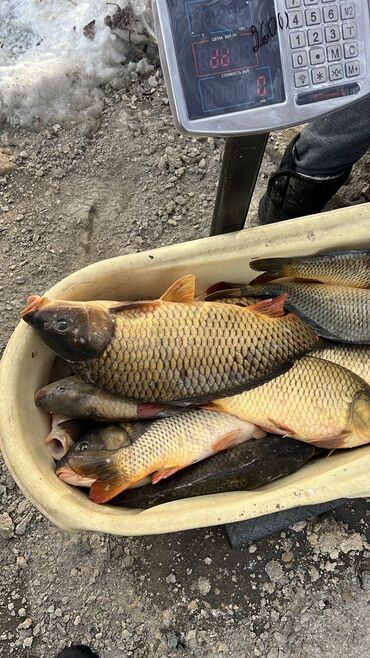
[360, 414]
[65, 473]
[74, 330]
[70, 393]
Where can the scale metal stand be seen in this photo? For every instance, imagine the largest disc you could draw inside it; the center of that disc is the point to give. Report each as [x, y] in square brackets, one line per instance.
[241, 68]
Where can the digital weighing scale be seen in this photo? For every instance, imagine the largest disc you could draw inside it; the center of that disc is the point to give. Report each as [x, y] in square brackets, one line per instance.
[240, 68]
[236, 67]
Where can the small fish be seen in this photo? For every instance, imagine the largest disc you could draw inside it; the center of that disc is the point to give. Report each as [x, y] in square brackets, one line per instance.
[352, 357]
[75, 398]
[63, 435]
[243, 468]
[334, 312]
[173, 348]
[316, 401]
[345, 267]
[163, 448]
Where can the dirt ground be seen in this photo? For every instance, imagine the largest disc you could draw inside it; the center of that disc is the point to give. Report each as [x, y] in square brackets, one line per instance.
[80, 193]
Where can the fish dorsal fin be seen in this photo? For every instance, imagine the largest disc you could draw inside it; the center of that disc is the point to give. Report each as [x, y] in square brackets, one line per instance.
[272, 308]
[181, 291]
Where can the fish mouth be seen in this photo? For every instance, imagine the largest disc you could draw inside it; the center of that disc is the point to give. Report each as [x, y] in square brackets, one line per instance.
[57, 447]
[33, 305]
[65, 473]
[39, 397]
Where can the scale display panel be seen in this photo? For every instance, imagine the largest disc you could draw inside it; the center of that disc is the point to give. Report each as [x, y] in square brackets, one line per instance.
[227, 71]
[244, 66]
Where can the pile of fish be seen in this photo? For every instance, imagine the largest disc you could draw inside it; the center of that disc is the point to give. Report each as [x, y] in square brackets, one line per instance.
[234, 388]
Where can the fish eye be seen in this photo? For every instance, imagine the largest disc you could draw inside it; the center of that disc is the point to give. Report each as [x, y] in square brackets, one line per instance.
[62, 325]
[83, 445]
[61, 389]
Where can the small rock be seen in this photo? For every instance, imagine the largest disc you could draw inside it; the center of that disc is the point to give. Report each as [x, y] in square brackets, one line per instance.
[23, 155]
[203, 585]
[77, 620]
[152, 82]
[170, 207]
[274, 570]
[172, 640]
[171, 578]
[252, 548]
[365, 580]
[27, 643]
[180, 200]
[7, 163]
[27, 623]
[6, 526]
[287, 557]
[21, 527]
[22, 612]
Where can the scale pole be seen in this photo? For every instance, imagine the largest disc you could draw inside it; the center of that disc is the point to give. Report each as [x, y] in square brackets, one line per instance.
[240, 166]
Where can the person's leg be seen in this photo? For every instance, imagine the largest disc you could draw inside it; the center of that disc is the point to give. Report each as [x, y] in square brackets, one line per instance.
[77, 651]
[317, 163]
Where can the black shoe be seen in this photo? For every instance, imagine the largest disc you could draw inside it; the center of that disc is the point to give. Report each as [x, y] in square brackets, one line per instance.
[77, 651]
[290, 194]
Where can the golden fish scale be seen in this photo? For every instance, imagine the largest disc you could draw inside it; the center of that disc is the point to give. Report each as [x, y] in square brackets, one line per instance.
[353, 357]
[181, 351]
[179, 440]
[341, 269]
[312, 399]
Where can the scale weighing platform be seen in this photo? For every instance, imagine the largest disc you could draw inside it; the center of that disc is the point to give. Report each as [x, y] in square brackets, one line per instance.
[236, 67]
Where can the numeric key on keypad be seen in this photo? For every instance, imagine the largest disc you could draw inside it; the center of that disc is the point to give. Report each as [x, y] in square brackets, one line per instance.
[313, 16]
[293, 4]
[336, 72]
[301, 79]
[319, 75]
[317, 56]
[330, 14]
[299, 59]
[332, 33]
[311, 2]
[315, 36]
[352, 69]
[297, 39]
[295, 19]
[334, 53]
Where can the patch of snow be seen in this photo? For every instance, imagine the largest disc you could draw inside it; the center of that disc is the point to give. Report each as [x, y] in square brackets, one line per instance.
[52, 65]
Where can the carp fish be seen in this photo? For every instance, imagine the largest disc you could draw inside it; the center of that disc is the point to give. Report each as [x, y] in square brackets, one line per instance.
[337, 313]
[352, 357]
[243, 468]
[163, 447]
[173, 348]
[75, 398]
[315, 401]
[345, 267]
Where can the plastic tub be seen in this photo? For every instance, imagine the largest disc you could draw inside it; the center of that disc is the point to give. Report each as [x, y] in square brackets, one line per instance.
[27, 361]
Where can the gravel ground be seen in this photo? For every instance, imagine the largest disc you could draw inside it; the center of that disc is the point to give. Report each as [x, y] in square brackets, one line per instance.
[71, 195]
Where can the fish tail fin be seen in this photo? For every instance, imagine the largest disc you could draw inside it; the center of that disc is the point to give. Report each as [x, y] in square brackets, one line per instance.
[360, 413]
[110, 478]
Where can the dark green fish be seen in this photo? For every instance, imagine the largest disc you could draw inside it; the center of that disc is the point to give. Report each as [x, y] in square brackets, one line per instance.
[243, 468]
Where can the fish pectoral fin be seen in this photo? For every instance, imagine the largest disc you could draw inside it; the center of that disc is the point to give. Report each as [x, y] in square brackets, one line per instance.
[146, 305]
[220, 286]
[148, 410]
[332, 442]
[272, 308]
[181, 291]
[287, 431]
[103, 490]
[165, 473]
[227, 441]
[266, 277]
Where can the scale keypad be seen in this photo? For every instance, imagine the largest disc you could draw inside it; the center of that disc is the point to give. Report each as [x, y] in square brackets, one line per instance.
[323, 41]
